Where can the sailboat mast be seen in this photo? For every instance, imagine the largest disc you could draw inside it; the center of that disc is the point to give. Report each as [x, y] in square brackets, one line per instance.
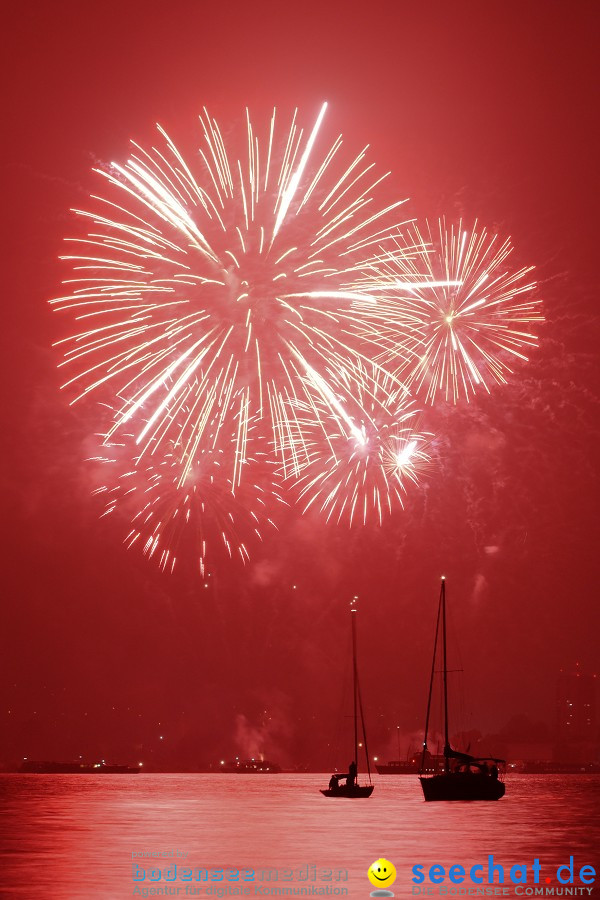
[446, 741]
[435, 648]
[354, 676]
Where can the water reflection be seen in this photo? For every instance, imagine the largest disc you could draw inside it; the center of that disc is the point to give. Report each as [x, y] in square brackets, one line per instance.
[73, 836]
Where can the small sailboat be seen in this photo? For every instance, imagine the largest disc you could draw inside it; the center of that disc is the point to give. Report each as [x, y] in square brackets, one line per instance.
[464, 777]
[347, 785]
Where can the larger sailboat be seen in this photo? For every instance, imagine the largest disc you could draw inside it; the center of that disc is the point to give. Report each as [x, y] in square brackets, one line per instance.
[464, 777]
[347, 785]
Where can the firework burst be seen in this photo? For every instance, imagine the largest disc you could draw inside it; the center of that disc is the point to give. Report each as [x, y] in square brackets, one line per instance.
[362, 471]
[209, 293]
[204, 516]
[467, 323]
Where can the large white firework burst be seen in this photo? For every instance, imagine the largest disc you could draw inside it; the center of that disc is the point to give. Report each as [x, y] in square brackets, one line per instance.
[209, 290]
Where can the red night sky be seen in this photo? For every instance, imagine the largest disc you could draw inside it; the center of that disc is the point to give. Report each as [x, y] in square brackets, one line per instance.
[479, 110]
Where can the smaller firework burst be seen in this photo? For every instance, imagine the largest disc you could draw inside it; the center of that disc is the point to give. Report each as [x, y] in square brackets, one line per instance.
[202, 514]
[361, 471]
[467, 323]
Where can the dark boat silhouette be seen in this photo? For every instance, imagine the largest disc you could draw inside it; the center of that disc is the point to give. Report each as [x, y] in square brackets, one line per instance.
[351, 789]
[464, 777]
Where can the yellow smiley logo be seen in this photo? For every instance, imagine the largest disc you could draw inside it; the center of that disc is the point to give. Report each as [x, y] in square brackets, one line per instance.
[382, 873]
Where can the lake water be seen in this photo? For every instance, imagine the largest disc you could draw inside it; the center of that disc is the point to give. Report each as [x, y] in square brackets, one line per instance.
[74, 836]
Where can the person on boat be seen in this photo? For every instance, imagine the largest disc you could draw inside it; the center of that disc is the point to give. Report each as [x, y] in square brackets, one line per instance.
[494, 771]
[334, 783]
[352, 770]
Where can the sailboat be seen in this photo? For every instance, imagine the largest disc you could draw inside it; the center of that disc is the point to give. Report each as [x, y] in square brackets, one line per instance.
[466, 777]
[350, 788]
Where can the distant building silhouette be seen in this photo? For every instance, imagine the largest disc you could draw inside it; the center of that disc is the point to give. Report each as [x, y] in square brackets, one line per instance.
[576, 716]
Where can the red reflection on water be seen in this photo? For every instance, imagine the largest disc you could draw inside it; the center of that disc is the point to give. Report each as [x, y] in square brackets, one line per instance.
[74, 836]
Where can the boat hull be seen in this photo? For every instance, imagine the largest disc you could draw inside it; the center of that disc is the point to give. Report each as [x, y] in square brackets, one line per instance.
[461, 786]
[357, 790]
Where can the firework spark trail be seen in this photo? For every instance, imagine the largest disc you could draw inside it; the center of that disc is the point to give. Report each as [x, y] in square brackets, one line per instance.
[205, 292]
[462, 331]
[361, 473]
[205, 514]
